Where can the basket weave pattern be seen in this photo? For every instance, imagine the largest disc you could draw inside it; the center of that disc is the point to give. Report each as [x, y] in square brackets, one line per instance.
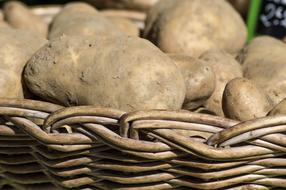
[48, 147]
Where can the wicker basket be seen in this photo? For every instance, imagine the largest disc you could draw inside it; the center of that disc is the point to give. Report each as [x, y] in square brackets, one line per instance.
[47, 147]
[47, 13]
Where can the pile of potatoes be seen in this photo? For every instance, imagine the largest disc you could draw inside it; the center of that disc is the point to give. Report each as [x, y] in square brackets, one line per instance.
[189, 55]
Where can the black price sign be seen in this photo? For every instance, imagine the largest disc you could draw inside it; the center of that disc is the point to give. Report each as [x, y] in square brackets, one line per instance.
[272, 18]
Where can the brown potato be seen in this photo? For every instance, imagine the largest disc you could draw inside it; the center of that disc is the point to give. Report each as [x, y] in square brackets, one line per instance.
[199, 79]
[17, 46]
[127, 73]
[243, 100]
[225, 68]
[19, 16]
[180, 26]
[81, 20]
[264, 62]
[126, 26]
[279, 109]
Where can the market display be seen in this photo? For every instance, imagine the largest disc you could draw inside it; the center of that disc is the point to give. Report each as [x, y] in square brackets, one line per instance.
[140, 95]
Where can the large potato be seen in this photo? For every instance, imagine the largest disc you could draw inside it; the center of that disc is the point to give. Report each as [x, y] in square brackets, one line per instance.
[81, 19]
[19, 16]
[126, 73]
[226, 68]
[264, 62]
[199, 79]
[17, 46]
[195, 26]
[243, 100]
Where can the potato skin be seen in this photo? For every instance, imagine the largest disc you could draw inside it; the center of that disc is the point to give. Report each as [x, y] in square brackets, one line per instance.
[243, 100]
[225, 68]
[199, 79]
[19, 16]
[81, 20]
[264, 62]
[179, 26]
[17, 46]
[109, 71]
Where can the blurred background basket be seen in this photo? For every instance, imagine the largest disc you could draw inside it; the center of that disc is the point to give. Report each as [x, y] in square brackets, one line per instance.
[47, 12]
[48, 147]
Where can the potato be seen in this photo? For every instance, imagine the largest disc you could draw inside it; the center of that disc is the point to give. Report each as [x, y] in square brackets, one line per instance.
[279, 109]
[243, 100]
[199, 79]
[17, 46]
[127, 4]
[225, 68]
[264, 62]
[126, 73]
[180, 26]
[81, 20]
[126, 26]
[19, 16]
